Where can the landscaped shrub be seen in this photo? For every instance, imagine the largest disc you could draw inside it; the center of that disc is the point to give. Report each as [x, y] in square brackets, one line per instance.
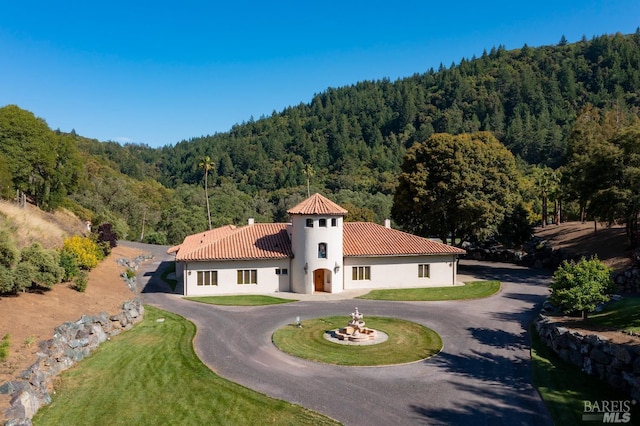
[23, 276]
[46, 265]
[6, 280]
[107, 234]
[4, 347]
[87, 252]
[130, 273]
[581, 286]
[69, 263]
[106, 249]
[9, 253]
[81, 282]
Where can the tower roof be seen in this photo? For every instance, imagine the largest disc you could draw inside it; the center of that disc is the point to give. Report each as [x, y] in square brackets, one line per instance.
[319, 205]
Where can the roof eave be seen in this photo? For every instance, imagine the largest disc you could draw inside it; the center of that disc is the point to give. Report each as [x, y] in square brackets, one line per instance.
[404, 254]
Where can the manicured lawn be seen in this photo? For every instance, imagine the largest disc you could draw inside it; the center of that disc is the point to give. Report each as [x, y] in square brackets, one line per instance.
[470, 290]
[407, 342]
[564, 388]
[151, 375]
[241, 300]
[623, 314]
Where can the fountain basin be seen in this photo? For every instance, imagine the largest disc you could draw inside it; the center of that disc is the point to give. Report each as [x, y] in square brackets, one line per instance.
[355, 335]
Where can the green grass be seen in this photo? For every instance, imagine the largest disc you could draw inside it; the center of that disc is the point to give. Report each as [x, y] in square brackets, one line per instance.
[241, 300]
[151, 375]
[564, 388]
[623, 314]
[470, 290]
[5, 344]
[407, 342]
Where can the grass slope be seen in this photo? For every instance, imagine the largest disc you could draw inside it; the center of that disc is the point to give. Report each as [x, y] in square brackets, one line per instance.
[623, 314]
[564, 388]
[151, 375]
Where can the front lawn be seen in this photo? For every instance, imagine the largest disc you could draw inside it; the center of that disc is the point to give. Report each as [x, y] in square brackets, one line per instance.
[407, 342]
[241, 300]
[151, 375]
[470, 290]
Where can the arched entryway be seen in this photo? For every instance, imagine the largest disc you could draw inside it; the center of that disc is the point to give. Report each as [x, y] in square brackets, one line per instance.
[321, 280]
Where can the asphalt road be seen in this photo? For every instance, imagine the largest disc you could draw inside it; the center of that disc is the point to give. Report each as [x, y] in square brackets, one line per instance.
[482, 376]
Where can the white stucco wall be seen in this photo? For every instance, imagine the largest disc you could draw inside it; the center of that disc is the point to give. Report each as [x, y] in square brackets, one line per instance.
[401, 272]
[304, 243]
[267, 279]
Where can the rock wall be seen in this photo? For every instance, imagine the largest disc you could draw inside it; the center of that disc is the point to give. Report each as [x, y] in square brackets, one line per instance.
[628, 281]
[536, 253]
[616, 364]
[133, 265]
[71, 342]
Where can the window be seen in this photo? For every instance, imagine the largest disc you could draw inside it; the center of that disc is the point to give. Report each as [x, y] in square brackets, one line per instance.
[207, 278]
[282, 271]
[334, 222]
[360, 273]
[247, 276]
[322, 223]
[423, 271]
[309, 223]
[322, 251]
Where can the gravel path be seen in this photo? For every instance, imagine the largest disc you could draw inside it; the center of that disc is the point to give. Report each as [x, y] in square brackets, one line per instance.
[482, 376]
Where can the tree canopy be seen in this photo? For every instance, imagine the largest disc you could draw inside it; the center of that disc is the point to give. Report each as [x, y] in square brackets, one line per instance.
[581, 286]
[42, 164]
[455, 186]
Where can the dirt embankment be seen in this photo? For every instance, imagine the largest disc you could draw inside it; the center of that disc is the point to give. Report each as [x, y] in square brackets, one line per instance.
[609, 243]
[31, 317]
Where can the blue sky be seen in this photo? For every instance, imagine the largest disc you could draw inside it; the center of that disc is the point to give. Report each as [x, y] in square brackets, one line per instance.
[161, 72]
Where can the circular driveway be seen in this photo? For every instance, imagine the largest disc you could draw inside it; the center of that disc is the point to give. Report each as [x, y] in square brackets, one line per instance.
[482, 375]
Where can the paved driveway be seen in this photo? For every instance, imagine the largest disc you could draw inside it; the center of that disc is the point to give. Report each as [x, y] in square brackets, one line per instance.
[482, 375]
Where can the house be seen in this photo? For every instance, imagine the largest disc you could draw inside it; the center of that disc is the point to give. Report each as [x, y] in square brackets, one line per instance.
[316, 252]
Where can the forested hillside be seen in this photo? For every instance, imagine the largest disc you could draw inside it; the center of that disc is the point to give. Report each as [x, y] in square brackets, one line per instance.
[529, 98]
[347, 142]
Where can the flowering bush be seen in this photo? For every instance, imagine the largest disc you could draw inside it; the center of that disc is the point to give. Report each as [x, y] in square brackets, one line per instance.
[86, 251]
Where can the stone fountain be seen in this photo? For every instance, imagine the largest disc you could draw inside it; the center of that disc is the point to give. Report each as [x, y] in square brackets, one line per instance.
[355, 331]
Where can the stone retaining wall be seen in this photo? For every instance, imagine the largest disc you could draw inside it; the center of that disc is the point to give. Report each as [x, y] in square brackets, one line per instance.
[71, 342]
[628, 281]
[536, 253]
[616, 364]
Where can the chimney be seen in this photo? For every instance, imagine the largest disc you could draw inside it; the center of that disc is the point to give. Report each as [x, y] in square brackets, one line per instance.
[387, 223]
[251, 221]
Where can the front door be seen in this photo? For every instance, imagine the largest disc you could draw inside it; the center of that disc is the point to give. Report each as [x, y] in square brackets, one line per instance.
[318, 280]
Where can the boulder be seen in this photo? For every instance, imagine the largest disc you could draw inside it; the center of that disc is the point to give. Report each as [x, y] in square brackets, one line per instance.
[600, 357]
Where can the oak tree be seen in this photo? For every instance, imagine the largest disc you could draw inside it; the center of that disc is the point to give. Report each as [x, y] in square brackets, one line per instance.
[455, 186]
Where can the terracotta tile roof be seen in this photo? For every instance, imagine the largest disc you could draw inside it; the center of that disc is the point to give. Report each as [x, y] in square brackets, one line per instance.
[271, 241]
[317, 204]
[371, 239]
[257, 241]
[192, 242]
